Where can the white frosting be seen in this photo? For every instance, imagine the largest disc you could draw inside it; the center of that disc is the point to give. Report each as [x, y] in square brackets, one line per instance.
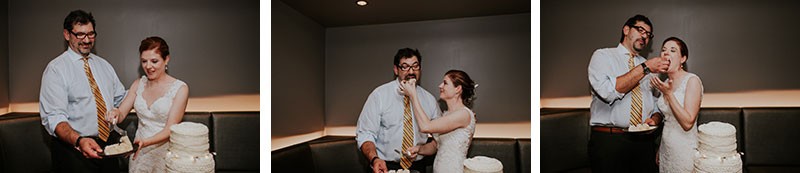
[123, 146]
[716, 151]
[482, 164]
[638, 127]
[188, 149]
[400, 171]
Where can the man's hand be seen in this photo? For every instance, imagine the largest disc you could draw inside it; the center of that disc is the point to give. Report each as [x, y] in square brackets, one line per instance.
[89, 148]
[379, 166]
[414, 152]
[658, 64]
[654, 119]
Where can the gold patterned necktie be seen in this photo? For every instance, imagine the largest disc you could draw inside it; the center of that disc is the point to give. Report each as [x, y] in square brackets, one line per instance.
[408, 134]
[636, 99]
[102, 128]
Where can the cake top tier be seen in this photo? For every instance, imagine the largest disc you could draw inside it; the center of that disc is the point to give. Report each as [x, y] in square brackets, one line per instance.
[716, 128]
[483, 164]
[189, 128]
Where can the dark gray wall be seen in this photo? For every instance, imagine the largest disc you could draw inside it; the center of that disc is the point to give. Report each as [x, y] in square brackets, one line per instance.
[493, 50]
[213, 44]
[733, 45]
[298, 67]
[4, 54]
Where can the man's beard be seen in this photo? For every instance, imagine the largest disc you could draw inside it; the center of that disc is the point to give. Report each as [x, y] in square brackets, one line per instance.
[640, 48]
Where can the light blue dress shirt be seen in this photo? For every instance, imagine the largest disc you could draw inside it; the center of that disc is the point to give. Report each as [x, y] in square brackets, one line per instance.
[65, 94]
[609, 107]
[381, 119]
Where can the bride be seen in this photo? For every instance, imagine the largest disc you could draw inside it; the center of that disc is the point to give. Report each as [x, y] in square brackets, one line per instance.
[160, 101]
[453, 131]
[680, 103]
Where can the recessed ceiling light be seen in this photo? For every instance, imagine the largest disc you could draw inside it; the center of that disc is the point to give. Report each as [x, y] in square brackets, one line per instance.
[361, 2]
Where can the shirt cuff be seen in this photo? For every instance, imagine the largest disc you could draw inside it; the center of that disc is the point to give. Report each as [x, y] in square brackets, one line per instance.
[51, 123]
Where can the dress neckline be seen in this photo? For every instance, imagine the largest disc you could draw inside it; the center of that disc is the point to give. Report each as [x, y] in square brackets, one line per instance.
[144, 82]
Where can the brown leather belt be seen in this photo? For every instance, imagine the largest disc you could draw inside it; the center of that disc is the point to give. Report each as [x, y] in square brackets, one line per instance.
[607, 129]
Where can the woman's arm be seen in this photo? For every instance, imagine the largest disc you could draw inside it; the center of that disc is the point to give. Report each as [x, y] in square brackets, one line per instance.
[127, 104]
[444, 124]
[687, 115]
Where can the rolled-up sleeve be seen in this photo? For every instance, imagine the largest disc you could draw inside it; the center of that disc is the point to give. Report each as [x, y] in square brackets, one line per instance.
[52, 99]
[602, 79]
[368, 120]
[119, 91]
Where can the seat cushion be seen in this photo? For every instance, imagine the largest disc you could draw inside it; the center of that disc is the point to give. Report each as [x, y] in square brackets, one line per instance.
[25, 144]
[771, 136]
[770, 169]
[337, 154]
[565, 141]
[504, 150]
[296, 158]
[235, 137]
[524, 154]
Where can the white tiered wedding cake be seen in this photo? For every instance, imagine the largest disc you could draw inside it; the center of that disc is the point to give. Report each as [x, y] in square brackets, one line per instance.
[188, 149]
[717, 149]
[483, 164]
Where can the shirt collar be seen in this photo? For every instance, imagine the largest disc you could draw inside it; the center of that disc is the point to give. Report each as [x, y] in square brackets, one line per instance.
[75, 56]
[624, 51]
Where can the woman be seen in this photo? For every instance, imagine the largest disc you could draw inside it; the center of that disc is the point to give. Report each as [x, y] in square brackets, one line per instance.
[679, 102]
[453, 131]
[160, 101]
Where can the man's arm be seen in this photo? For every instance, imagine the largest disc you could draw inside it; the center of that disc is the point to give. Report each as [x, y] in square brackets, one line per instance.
[366, 132]
[630, 80]
[87, 146]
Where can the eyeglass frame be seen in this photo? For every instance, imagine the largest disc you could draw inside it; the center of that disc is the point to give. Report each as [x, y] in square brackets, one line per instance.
[93, 33]
[641, 30]
[409, 67]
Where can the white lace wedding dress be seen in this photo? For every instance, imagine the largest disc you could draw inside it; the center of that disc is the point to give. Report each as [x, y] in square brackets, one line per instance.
[453, 146]
[151, 120]
[676, 153]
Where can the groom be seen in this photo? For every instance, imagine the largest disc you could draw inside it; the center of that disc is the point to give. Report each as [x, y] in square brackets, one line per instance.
[621, 97]
[77, 88]
[382, 126]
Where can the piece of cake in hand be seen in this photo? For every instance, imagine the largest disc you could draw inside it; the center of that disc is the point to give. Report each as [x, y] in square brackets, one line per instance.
[638, 127]
[122, 147]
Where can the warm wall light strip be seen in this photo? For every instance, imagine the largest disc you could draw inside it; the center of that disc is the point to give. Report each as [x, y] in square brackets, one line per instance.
[3, 111]
[482, 130]
[772, 98]
[227, 103]
[278, 143]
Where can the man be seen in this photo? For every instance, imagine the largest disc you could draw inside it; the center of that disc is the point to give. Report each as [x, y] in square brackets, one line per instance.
[78, 87]
[622, 96]
[382, 125]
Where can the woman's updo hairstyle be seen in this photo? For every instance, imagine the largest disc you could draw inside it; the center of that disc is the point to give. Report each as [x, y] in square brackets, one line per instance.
[460, 78]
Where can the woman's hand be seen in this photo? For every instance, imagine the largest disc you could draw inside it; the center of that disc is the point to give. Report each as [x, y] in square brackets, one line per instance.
[142, 144]
[408, 87]
[664, 87]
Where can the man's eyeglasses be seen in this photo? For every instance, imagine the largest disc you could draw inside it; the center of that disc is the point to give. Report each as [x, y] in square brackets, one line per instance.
[406, 67]
[82, 35]
[643, 31]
